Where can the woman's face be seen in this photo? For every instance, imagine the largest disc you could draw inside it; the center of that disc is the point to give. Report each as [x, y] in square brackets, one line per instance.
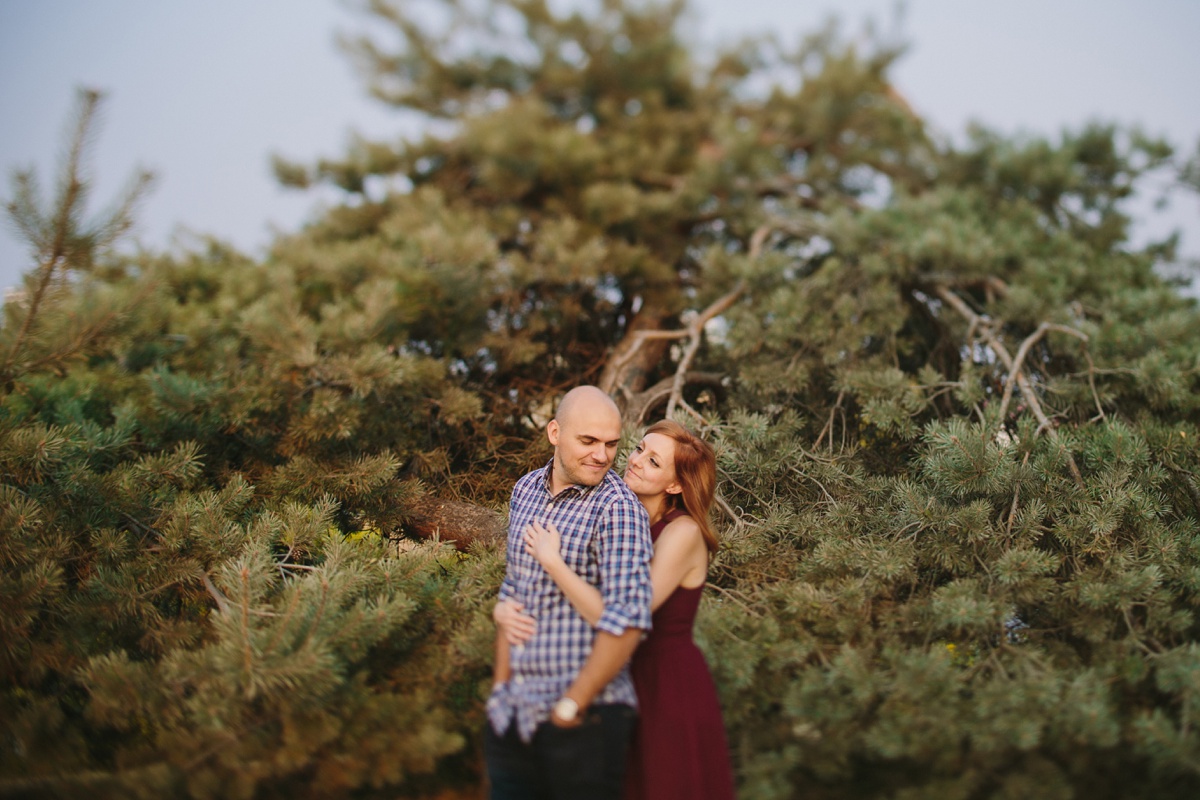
[650, 469]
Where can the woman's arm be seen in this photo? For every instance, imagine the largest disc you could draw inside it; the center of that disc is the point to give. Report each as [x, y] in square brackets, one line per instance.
[675, 558]
[544, 543]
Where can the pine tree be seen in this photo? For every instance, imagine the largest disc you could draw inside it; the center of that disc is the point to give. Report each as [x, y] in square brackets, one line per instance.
[56, 320]
[623, 187]
[197, 599]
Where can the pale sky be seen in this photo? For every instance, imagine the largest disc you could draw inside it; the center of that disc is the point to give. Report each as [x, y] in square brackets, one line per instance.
[202, 92]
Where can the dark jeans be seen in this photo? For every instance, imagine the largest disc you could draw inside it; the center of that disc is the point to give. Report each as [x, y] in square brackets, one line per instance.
[586, 762]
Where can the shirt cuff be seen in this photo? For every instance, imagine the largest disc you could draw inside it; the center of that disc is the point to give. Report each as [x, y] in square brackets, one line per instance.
[617, 620]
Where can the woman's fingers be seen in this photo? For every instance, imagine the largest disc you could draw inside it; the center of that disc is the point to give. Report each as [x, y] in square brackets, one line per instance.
[521, 628]
[543, 543]
[534, 533]
[517, 626]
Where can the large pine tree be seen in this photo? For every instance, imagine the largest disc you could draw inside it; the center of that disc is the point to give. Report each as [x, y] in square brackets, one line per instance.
[956, 411]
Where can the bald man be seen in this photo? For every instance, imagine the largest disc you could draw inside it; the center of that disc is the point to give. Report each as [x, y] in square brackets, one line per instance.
[562, 706]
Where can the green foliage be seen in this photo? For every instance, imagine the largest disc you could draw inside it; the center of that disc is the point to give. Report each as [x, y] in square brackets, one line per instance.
[212, 642]
[955, 411]
[51, 324]
[973, 620]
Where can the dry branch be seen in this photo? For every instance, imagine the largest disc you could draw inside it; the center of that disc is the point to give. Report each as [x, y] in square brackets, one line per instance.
[611, 381]
[641, 404]
[985, 327]
[695, 332]
[1023, 351]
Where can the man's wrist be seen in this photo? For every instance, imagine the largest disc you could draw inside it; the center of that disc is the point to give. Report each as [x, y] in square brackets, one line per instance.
[566, 709]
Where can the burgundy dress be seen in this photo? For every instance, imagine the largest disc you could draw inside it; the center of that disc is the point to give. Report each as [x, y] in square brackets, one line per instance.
[679, 748]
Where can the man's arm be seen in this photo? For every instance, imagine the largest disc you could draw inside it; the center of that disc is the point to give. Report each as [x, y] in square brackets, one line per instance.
[624, 560]
[624, 551]
[609, 654]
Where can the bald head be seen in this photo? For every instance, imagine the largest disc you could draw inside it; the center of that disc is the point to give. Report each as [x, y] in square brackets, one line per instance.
[585, 433]
[586, 400]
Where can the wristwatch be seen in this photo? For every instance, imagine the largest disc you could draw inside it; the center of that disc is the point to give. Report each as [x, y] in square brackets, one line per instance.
[566, 709]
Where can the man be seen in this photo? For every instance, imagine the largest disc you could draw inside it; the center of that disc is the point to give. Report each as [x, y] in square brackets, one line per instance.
[562, 707]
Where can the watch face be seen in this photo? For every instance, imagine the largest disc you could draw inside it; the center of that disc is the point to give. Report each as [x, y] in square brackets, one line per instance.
[566, 709]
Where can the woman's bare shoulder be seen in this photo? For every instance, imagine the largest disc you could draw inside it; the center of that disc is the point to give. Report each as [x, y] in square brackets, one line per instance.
[682, 540]
[682, 527]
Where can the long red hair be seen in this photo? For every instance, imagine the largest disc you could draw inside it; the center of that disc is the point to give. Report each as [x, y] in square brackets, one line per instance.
[696, 472]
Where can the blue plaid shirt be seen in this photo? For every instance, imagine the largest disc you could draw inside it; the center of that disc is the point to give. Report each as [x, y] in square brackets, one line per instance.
[606, 541]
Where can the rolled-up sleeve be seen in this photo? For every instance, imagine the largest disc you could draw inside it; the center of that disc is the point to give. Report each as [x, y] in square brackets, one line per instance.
[624, 552]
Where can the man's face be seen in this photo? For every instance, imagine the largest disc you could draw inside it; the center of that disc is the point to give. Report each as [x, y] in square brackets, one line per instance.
[585, 445]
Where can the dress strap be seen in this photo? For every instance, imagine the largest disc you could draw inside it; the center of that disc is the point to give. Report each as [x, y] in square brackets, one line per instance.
[674, 514]
[670, 516]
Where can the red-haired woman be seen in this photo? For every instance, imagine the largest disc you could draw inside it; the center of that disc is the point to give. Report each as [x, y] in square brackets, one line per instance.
[679, 749]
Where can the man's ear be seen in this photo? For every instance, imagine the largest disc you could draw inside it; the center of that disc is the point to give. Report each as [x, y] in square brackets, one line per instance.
[552, 432]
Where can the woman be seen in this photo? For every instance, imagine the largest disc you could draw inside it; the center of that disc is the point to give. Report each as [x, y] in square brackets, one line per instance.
[679, 748]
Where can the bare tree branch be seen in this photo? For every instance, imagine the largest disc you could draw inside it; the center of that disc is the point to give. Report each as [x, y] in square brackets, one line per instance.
[1023, 351]
[611, 380]
[217, 594]
[985, 326]
[695, 332]
[640, 404]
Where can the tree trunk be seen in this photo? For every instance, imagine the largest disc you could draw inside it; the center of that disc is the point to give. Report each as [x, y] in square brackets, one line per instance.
[460, 523]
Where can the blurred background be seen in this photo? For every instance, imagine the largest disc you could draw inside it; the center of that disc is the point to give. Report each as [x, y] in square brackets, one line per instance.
[203, 94]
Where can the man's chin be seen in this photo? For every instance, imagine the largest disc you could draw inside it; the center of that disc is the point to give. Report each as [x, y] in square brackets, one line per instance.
[593, 476]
